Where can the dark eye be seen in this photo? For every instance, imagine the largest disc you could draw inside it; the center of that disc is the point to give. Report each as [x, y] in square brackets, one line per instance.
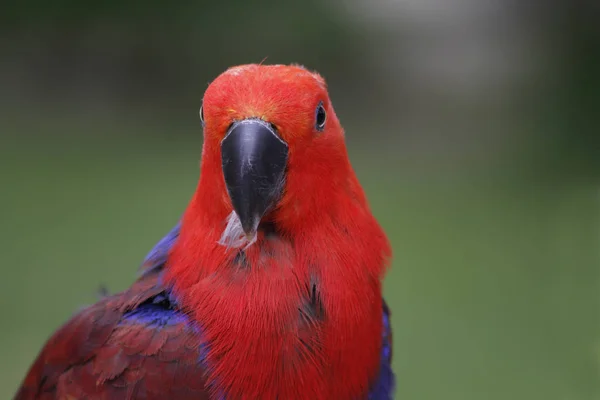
[321, 117]
[202, 115]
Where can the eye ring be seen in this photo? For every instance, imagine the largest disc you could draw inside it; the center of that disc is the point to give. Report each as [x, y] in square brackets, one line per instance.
[320, 117]
[202, 114]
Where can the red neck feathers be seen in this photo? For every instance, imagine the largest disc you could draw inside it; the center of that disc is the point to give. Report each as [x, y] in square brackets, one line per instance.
[298, 314]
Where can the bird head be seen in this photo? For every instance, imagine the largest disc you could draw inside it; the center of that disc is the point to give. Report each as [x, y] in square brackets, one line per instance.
[274, 148]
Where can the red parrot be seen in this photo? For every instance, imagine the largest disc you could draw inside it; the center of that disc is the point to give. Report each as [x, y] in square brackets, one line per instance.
[269, 287]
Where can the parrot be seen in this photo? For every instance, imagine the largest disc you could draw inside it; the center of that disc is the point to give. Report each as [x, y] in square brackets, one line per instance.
[269, 286]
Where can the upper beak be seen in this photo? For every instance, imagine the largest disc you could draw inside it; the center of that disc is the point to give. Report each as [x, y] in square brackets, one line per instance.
[254, 158]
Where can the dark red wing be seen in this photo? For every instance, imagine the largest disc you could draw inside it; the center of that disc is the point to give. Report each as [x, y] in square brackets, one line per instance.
[133, 345]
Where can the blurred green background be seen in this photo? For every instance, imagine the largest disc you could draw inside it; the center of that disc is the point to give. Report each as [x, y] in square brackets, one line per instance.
[472, 125]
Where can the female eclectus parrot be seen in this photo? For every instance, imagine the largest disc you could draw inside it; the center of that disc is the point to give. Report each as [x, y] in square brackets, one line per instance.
[270, 285]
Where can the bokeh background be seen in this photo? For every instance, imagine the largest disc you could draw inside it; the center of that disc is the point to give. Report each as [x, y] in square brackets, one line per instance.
[472, 124]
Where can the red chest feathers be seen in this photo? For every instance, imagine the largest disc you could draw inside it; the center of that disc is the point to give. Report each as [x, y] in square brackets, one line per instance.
[278, 327]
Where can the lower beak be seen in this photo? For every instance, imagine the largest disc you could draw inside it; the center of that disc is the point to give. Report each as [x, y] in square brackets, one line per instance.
[254, 158]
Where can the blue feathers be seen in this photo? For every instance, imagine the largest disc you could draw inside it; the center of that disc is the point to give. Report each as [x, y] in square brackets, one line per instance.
[384, 387]
[158, 255]
[153, 315]
[157, 311]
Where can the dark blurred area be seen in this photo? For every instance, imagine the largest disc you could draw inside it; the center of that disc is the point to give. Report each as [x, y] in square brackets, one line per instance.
[473, 126]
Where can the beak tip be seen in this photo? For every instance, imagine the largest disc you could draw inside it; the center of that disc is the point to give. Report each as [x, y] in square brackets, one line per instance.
[250, 226]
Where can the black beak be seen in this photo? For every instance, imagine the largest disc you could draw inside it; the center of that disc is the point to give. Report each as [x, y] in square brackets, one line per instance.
[254, 159]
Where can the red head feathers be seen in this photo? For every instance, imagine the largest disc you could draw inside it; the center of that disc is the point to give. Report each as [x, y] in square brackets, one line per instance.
[279, 260]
